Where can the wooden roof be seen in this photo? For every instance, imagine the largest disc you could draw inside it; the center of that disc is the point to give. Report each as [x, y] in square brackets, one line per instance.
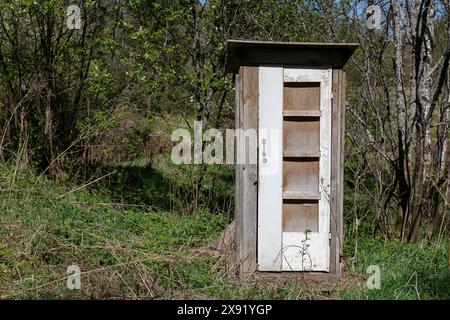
[249, 52]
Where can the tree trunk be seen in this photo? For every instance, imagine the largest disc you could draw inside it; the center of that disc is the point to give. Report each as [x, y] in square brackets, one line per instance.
[403, 185]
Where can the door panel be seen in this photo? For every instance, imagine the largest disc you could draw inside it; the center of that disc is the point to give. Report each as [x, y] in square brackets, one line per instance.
[294, 169]
[270, 123]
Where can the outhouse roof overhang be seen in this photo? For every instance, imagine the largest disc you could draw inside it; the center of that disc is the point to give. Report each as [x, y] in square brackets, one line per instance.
[251, 53]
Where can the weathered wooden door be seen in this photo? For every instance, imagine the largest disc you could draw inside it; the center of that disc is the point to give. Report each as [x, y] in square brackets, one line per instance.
[294, 169]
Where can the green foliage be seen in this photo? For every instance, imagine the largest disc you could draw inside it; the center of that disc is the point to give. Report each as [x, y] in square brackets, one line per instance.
[86, 93]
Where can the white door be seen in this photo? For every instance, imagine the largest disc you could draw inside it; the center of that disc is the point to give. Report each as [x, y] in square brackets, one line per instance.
[294, 169]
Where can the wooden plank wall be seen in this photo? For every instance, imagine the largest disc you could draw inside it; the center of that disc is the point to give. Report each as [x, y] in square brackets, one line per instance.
[246, 195]
[337, 170]
[238, 217]
[340, 195]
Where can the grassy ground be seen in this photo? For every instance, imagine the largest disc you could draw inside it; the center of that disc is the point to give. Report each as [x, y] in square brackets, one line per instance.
[408, 271]
[135, 251]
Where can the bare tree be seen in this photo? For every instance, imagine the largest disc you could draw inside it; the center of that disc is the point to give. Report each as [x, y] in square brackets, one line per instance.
[402, 115]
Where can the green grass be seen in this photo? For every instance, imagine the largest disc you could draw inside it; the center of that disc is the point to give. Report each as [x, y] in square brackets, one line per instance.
[408, 271]
[42, 234]
[147, 252]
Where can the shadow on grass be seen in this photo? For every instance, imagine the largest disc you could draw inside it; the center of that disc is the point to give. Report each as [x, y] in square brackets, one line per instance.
[166, 190]
[138, 185]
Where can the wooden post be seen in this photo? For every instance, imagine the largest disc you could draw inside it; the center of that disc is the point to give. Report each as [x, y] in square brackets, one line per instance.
[246, 174]
[337, 171]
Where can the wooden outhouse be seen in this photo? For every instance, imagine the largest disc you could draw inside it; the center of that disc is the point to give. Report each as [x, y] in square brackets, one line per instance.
[289, 202]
